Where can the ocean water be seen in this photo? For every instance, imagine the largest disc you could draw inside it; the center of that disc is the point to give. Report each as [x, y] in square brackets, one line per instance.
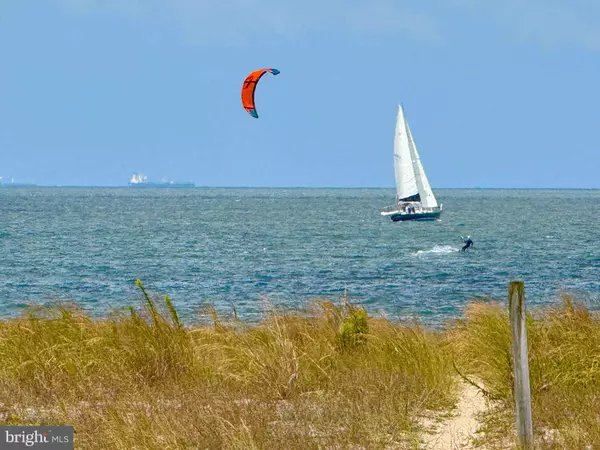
[241, 247]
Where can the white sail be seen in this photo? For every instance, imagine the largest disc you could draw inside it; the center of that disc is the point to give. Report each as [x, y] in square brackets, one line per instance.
[406, 182]
[427, 198]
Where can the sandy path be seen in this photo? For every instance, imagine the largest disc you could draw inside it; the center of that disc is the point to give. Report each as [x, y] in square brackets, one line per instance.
[454, 432]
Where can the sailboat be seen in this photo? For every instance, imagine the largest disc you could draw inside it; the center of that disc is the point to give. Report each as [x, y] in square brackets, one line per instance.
[414, 197]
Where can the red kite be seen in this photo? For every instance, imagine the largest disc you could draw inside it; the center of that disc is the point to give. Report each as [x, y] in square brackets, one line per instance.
[249, 87]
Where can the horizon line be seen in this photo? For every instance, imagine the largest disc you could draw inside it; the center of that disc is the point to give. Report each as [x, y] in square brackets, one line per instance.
[33, 185]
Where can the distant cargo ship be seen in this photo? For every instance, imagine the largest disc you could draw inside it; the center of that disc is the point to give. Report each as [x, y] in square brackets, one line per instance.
[141, 181]
[13, 184]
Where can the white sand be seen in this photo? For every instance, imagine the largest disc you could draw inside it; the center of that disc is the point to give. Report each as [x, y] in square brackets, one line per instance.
[456, 431]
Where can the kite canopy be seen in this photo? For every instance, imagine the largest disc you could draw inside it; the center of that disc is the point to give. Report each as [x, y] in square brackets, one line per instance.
[249, 87]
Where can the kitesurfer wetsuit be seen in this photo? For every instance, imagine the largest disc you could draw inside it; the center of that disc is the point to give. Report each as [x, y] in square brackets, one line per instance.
[468, 243]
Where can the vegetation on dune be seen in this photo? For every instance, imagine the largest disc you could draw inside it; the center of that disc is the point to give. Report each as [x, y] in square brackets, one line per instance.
[564, 364]
[331, 376]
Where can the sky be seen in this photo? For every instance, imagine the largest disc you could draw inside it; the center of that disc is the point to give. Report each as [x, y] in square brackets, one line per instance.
[497, 94]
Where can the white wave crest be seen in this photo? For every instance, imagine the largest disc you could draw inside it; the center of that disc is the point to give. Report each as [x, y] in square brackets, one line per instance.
[438, 249]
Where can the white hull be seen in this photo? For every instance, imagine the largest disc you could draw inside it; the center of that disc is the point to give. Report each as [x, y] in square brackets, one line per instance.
[401, 215]
[391, 210]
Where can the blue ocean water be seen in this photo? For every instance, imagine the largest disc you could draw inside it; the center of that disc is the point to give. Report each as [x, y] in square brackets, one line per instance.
[239, 247]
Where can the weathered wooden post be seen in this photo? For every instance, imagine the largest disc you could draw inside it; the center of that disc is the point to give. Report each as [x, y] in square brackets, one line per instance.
[516, 293]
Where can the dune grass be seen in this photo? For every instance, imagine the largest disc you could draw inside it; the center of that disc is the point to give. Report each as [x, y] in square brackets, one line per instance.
[330, 376]
[564, 364]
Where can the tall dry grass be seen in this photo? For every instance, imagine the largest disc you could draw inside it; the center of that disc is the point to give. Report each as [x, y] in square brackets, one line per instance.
[331, 376]
[564, 364]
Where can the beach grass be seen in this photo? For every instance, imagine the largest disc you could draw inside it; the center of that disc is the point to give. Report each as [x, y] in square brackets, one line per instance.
[564, 364]
[329, 376]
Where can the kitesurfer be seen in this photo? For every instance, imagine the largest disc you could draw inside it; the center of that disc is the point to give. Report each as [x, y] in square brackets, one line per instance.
[468, 243]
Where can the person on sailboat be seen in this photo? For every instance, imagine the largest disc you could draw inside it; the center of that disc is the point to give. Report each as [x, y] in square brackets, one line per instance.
[468, 243]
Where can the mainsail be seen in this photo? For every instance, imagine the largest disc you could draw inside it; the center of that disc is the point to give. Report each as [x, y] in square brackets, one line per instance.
[406, 181]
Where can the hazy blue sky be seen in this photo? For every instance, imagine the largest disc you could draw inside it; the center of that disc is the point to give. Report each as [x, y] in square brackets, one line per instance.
[497, 93]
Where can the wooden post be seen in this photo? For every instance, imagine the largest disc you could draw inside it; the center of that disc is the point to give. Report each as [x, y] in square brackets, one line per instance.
[516, 292]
